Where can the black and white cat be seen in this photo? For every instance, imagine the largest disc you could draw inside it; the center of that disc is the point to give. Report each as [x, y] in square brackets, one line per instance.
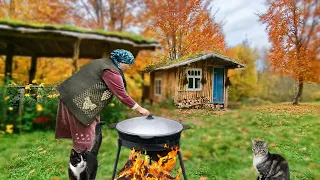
[269, 166]
[84, 165]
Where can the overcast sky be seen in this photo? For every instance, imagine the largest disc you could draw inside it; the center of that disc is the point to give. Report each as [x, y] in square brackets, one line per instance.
[240, 21]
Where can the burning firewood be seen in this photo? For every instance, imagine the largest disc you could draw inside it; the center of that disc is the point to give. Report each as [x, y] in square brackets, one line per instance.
[139, 168]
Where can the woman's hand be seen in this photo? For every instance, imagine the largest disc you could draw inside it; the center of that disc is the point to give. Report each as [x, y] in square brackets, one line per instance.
[143, 111]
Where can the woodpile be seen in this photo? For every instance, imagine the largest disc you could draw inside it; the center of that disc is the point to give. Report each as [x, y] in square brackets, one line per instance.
[197, 103]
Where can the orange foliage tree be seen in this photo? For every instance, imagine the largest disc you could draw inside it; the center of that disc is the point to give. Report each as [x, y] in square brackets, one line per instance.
[40, 11]
[182, 26]
[293, 27]
[113, 15]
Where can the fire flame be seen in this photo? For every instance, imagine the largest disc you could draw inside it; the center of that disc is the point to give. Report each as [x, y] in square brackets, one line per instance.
[139, 167]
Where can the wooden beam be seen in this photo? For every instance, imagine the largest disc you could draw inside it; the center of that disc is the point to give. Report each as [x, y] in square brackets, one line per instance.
[76, 52]
[54, 55]
[8, 65]
[18, 45]
[44, 36]
[58, 46]
[33, 69]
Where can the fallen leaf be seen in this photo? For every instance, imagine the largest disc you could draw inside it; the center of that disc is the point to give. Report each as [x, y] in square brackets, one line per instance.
[303, 149]
[307, 159]
[314, 165]
[203, 178]
[32, 171]
[187, 154]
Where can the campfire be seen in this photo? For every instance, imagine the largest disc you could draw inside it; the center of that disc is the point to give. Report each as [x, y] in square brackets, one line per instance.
[141, 167]
[159, 138]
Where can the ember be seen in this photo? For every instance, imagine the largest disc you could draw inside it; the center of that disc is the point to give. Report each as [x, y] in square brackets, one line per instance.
[139, 167]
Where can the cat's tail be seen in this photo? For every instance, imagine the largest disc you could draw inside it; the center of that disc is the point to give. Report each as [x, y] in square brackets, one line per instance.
[97, 139]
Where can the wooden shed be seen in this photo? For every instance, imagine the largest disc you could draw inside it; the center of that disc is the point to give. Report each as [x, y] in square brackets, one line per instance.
[45, 40]
[196, 82]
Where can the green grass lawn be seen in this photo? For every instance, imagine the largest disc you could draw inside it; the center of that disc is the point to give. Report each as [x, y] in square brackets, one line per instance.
[217, 147]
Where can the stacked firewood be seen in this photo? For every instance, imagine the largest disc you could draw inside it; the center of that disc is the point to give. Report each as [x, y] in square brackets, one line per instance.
[197, 103]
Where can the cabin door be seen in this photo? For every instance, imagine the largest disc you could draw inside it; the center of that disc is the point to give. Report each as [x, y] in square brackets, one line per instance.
[218, 85]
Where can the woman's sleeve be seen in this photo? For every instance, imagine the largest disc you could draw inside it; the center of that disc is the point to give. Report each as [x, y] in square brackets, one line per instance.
[114, 81]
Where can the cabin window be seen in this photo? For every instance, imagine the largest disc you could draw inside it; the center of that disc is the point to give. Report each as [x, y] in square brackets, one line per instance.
[158, 86]
[194, 79]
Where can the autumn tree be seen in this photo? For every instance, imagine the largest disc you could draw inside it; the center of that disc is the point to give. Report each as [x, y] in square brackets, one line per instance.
[244, 81]
[293, 27]
[112, 15]
[273, 86]
[37, 11]
[183, 26]
[40, 11]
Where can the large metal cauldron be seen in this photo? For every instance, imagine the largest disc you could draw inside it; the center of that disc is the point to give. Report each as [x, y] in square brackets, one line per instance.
[151, 134]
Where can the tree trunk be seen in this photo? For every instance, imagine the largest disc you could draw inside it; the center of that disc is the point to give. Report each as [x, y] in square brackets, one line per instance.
[299, 94]
[99, 13]
[113, 15]
[12, 10]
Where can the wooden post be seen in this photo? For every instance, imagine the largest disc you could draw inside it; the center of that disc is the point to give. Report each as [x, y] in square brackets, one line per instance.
[152, 86]
[76, 52]
[135, 53]
[21, 92]
[33, 69]
[144, 93]
[106, 50]
[8, 65]
[226, 90]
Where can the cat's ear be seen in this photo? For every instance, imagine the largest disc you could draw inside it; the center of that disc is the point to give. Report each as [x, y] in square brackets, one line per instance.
[265, 145]
[73, 152]
[253, 141]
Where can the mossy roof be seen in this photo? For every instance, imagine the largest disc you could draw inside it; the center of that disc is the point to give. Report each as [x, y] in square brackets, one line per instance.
[216, 57]
[45, 40]
[130, 36]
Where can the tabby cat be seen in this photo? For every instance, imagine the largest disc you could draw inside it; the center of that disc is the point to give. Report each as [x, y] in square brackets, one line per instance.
[269, 166]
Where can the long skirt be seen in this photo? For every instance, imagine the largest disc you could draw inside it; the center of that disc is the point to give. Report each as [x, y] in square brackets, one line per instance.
[67, 126]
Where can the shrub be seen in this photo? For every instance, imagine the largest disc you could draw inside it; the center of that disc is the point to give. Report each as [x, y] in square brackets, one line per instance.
[38, 109]
[114, 112]
[28, 108]
[316, 96]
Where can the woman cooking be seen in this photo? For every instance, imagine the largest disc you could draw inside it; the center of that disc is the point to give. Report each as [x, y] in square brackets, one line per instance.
[84, 95]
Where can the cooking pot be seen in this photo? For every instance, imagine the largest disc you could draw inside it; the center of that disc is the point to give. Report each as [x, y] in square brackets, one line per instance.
[152, 134]
[149, 127]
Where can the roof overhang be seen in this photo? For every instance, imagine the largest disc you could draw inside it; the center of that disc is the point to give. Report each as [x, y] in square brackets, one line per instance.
[218, 60]
[52, 42]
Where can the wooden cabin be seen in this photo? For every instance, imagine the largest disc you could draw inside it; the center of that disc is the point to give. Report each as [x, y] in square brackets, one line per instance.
[198, 82]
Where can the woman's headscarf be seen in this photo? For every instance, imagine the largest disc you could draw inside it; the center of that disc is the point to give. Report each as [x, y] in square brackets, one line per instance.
[121, 56]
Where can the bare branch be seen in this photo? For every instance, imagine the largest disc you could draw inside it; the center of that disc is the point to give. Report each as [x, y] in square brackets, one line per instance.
[88, 10]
